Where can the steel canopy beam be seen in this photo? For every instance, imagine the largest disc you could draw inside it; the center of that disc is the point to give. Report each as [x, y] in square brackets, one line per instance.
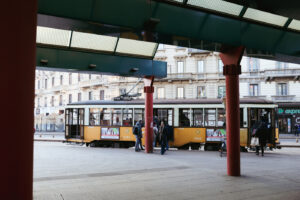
[181, 26]
[65, 60]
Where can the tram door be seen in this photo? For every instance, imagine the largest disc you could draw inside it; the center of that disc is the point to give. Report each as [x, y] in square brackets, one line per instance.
[267, 114]
[74, 123]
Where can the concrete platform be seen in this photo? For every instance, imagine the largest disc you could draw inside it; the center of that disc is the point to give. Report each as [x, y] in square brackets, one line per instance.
[72, 172]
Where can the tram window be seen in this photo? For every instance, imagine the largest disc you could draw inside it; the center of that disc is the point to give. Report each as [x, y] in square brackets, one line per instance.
[198, 117]
[81, 116]
[138, 115]
[94, 117]
[210, 117]
[105, 117]
[75, 116]
[162, 114]
[127, 117]
[184, 117]
[116, 116]
[241, 117]
[221, 117]
[67, 116]
[170, 117]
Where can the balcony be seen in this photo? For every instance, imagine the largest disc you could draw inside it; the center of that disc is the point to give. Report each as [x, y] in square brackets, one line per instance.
[91, 83]
[256, 97]
[279, 73]
[283, 97]
[197, 51]
[182, 76]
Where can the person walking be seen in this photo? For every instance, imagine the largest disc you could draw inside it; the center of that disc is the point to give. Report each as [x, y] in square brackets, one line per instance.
[261, 134]
[137, 131]
[155, 134]
[163, 134]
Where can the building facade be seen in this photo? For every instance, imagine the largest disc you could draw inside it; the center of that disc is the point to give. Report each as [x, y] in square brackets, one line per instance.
[191, 74]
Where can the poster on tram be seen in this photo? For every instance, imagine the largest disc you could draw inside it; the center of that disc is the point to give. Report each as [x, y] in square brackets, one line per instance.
[215, 134]
[110, 133]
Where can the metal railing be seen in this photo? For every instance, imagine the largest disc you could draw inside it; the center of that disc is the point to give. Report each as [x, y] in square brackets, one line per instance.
[282, 72]
[283, 97]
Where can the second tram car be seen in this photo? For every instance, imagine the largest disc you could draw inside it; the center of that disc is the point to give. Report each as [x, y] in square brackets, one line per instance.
[194, 122]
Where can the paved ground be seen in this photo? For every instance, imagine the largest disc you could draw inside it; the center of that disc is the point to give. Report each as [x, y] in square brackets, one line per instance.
[72, 172]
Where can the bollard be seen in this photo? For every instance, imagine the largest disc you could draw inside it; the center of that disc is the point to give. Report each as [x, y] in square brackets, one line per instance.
[296, 140]
[190, 148]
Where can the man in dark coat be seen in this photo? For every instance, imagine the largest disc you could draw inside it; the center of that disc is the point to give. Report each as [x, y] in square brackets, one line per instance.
[163, 133]
[261, 133]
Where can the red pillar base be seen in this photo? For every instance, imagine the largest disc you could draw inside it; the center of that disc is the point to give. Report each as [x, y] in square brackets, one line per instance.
[149, 118]
[18, 44]
[231, 59]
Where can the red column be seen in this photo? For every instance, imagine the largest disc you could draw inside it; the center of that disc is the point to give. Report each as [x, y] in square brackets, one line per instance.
[231, 59]
[18, 43]
[149, 118]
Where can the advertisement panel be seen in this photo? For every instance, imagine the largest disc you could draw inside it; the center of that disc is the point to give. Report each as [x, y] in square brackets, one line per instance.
[215, 134]
[110, 133]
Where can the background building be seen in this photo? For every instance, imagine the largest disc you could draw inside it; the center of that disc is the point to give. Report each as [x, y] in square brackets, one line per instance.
[191, 74]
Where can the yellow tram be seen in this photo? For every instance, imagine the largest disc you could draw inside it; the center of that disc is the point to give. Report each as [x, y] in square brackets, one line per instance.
[194, 122]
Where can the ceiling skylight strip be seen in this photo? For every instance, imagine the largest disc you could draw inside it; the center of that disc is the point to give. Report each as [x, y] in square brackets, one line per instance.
[218, 5]
[265, 17]
[135, 47]
[93, 41]
[295, 24]
[52, 36]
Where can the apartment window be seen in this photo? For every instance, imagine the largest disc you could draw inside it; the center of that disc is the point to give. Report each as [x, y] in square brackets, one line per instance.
[45, 102]
[201, 92]
[180, 67]
[39, 84]
[180, 92]
[79, 77]
[221, 91]
[60, 100]
[253, 88]
[53, 81]
[281, 65]
[70, 79]
[52, 101]
[160, 93]
[90, 96]
[220, 66]
[122, 91]
[61, 79]
[253, 65]
[101, 94]
[161, 47]
[169, 69]
[200, 65]
[70, 98]
[46, 83]
[79, 97]
[282, 89]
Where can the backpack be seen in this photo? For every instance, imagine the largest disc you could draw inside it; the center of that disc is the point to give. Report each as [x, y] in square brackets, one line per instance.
[135, 130]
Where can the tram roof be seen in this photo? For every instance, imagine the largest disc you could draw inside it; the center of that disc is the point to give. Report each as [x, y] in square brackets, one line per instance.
[268, 29]
[171, 101]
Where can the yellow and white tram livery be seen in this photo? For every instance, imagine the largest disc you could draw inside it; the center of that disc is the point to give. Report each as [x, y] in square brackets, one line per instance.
[194, 122]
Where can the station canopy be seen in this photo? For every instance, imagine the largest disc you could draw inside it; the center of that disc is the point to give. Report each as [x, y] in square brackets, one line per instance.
[75, 30]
